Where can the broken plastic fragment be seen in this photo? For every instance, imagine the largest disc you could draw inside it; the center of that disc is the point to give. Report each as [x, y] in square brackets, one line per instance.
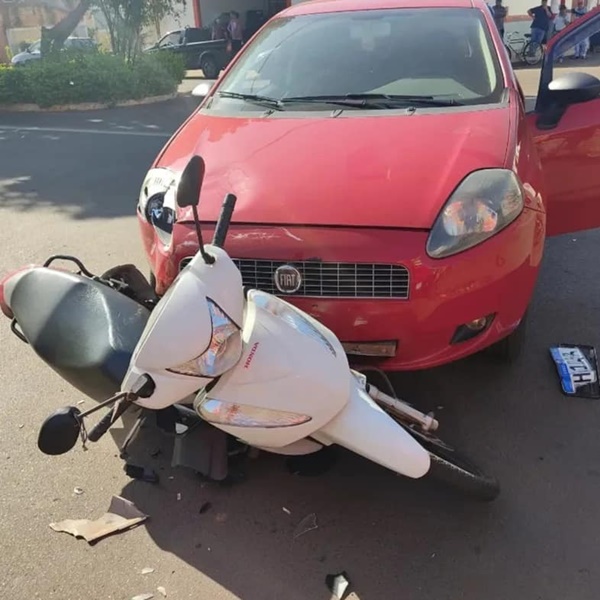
[287, 511]
[78, 491]
[178, 496]
[143, 597]
[338, 584]
[161, 590]
[307, 524]
[141, 473]
[122, 514]
[147, 570]
[205, 508]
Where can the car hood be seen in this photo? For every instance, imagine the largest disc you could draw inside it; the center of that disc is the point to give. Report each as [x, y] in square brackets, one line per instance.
[356, 170]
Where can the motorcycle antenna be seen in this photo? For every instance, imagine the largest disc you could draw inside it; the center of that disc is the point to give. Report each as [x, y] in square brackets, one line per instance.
[188, 194]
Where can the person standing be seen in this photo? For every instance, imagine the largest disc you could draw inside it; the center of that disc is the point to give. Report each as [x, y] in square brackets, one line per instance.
[542, 16]
[581, 49]
[235, 32]
[500, 12]
[560, 22]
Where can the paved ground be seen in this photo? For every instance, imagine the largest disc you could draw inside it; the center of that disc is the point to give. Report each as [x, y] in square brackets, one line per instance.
[70, 186]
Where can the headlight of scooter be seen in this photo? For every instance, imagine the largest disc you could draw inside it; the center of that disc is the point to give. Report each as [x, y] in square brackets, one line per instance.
[156, 202]
[485, 203]
[223, 352]
[286, 312]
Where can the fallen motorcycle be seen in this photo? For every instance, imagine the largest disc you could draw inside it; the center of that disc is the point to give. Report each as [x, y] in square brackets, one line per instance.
[216, 365]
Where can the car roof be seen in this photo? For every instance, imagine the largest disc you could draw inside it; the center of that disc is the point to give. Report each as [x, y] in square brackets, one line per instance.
[327, 6]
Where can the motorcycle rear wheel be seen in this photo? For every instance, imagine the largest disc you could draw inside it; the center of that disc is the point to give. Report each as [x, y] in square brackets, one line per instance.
[452, 468]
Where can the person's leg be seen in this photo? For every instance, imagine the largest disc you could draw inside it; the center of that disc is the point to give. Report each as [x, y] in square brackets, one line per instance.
[585, 46]
[537, 35]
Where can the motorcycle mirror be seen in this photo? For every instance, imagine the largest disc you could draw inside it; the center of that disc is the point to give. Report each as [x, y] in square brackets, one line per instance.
[60, 431]
[190, 184]
[188, 194]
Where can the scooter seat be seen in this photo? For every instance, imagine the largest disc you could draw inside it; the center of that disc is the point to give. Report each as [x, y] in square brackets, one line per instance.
[84, 330]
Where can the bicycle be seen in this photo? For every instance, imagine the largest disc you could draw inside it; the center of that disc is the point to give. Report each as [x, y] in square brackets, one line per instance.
[522, 47]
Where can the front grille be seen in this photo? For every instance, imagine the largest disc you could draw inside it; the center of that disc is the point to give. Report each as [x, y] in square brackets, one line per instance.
[328, 280]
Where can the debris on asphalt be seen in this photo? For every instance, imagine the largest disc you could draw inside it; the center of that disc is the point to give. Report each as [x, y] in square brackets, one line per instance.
[21, 426]
[205, 508]
[141, 473]
[143, 597]
[577, 367]
[147, 570]
[122, 515]
[80, 401]
[307, 524]
[338, 584]
[78, 491]
[221, 517]
[178, 495]
[287, 511]
[161, 590]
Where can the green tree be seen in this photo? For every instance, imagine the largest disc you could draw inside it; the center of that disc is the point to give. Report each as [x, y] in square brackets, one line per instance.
[53, 38]
[126, 19]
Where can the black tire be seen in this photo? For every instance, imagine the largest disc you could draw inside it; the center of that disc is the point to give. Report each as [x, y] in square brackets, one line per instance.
[511, 347]
[209, 66]
[453, 469]
[533, 52]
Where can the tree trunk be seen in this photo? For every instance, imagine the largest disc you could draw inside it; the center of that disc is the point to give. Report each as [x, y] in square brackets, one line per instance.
[53, 38]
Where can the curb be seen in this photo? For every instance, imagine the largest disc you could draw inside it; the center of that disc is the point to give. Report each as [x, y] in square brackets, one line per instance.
[86, 105]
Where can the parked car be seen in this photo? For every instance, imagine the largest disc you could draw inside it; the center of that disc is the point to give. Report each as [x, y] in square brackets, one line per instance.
[389, 179]
[197, 48]
[33, 51]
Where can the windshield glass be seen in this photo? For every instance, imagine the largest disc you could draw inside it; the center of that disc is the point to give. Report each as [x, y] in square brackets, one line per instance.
[35, 47]
[440, 54]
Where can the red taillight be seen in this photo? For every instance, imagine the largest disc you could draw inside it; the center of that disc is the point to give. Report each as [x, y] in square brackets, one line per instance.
[4, 307]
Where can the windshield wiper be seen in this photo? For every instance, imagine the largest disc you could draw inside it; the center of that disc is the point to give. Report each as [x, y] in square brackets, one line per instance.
[265, 101]
[369, 101]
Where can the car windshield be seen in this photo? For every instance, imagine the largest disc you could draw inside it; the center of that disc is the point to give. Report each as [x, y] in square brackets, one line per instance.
[366, 59]
[35, 47]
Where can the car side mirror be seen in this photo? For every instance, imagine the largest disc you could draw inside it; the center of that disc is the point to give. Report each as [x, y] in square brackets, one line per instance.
[573, 88]
[201, 90]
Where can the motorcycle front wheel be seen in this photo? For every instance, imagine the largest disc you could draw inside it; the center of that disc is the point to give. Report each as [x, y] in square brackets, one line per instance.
[451, 468]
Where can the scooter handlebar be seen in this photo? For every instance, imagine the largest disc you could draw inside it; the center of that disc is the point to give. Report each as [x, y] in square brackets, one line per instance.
[224, 220]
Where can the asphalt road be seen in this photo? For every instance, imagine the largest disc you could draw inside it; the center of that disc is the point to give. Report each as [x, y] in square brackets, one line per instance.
[68, 183]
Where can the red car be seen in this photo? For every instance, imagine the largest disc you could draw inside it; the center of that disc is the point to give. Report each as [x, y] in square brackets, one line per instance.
[390, 180]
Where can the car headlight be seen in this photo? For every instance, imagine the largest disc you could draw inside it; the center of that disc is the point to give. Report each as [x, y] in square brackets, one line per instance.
[243, 415]
[484, 203]
[286, 312]
[156, 202]
[223, 352]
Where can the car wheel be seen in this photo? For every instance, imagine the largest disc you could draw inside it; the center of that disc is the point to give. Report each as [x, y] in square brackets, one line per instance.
[209, 67]
[509, 349]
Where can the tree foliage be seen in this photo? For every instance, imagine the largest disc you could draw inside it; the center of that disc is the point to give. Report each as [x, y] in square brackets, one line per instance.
[53, 38]
[126, 19]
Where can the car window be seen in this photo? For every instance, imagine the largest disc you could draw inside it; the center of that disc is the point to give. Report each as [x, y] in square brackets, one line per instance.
[445, 53]
[172, 39]
[35, 47]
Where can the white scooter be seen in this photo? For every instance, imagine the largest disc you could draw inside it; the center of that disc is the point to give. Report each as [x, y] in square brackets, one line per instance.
[257, 368]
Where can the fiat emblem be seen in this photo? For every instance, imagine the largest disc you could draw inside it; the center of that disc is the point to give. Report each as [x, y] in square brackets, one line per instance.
[287, 279]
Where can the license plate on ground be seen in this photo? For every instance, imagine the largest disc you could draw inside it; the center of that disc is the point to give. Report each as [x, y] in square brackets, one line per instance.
[577, 367]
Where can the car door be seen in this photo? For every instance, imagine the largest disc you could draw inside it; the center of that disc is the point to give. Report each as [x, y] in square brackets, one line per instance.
[568, 141]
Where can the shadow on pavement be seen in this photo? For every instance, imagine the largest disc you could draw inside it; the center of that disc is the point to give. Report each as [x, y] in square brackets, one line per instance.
[371, 524]
[67, 161]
